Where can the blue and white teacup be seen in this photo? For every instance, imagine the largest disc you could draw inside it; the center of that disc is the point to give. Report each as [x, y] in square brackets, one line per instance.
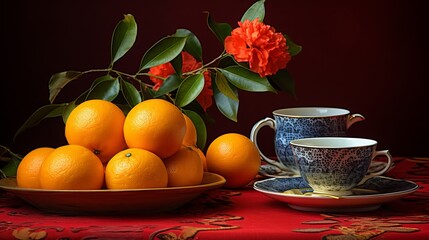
[335, 165]
[302, 122]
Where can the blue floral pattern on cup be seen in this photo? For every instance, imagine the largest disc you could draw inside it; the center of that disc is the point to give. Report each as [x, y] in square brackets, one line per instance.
[346, 167]
[301, 122]
[335, 165]
[291, 128]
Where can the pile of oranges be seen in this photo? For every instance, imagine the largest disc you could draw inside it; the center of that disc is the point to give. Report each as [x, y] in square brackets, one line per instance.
[153, 146]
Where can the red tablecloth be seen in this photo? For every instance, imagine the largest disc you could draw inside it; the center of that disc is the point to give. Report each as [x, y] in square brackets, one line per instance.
[233, 214]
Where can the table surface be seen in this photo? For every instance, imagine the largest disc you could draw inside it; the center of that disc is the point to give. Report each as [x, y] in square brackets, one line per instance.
[234, 214]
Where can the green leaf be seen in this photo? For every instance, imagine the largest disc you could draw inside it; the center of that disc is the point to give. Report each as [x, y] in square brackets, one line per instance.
[177, 64]
[189, 89]
[283, 81]
[47, 111]
[192, 45]
[227, 106]
[196, 107]
[9, 170]
[246, 79]
[293, 48]
[170, 84]
[224, 86]
[124, 107]
[229, 60]
[105, 87]
[130, 93]
[67, 110]
[220, 30]
[123, 38]
[200, 126]
[257, 10]
[163, 51]
[72, 105]
[59, 80]
[146, 92]
[82, 97]
[6, 151]
[226, 61]
[12, 161]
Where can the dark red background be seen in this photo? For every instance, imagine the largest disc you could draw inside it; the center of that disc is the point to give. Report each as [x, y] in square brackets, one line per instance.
[366, 56]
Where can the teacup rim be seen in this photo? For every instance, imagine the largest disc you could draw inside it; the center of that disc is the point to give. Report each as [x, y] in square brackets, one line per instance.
[284, 112]
[315, 142]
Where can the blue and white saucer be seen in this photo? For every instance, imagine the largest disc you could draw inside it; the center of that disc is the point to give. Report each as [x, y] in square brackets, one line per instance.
[269, 170]
[366, 197]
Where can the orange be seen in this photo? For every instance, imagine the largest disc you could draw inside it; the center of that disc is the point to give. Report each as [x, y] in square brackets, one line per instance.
[135, 168]
[155, 125]
[97, 125]
[202, 156]
[184, 168]
[235, 157]
[190, 138]
[71, 167]
[27, 175]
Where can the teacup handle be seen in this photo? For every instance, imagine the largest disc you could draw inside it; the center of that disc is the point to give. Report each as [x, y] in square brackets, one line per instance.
[354, 118]
[382, 171]
[253, 136]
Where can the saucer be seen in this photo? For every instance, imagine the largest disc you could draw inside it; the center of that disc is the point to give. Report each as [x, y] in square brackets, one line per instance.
[366, 197]
[269, 170]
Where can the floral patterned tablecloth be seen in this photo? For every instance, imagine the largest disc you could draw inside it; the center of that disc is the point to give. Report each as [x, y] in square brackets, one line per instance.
[234, 214]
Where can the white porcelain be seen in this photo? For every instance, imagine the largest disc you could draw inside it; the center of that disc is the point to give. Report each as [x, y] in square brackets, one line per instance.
[335, 165]
[302, 122]
[366, 197]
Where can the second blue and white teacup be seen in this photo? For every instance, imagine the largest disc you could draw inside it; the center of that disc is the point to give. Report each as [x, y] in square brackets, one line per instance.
[302, 122]
[335, 165]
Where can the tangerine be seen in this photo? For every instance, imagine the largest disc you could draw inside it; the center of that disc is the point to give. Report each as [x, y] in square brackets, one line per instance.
[71, 167]
[97, 125]
[27, 174]
[190, 138]
[184, 168]
[202, 157]
[135, 168]
[235, 157]
[155, 125]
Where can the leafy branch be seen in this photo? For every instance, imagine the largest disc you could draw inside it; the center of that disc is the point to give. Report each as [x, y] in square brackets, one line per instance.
[181, 88]
[9, 162]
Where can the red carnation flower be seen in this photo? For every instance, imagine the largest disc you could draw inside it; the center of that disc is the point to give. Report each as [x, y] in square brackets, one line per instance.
[260, 45]
[189, 63]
